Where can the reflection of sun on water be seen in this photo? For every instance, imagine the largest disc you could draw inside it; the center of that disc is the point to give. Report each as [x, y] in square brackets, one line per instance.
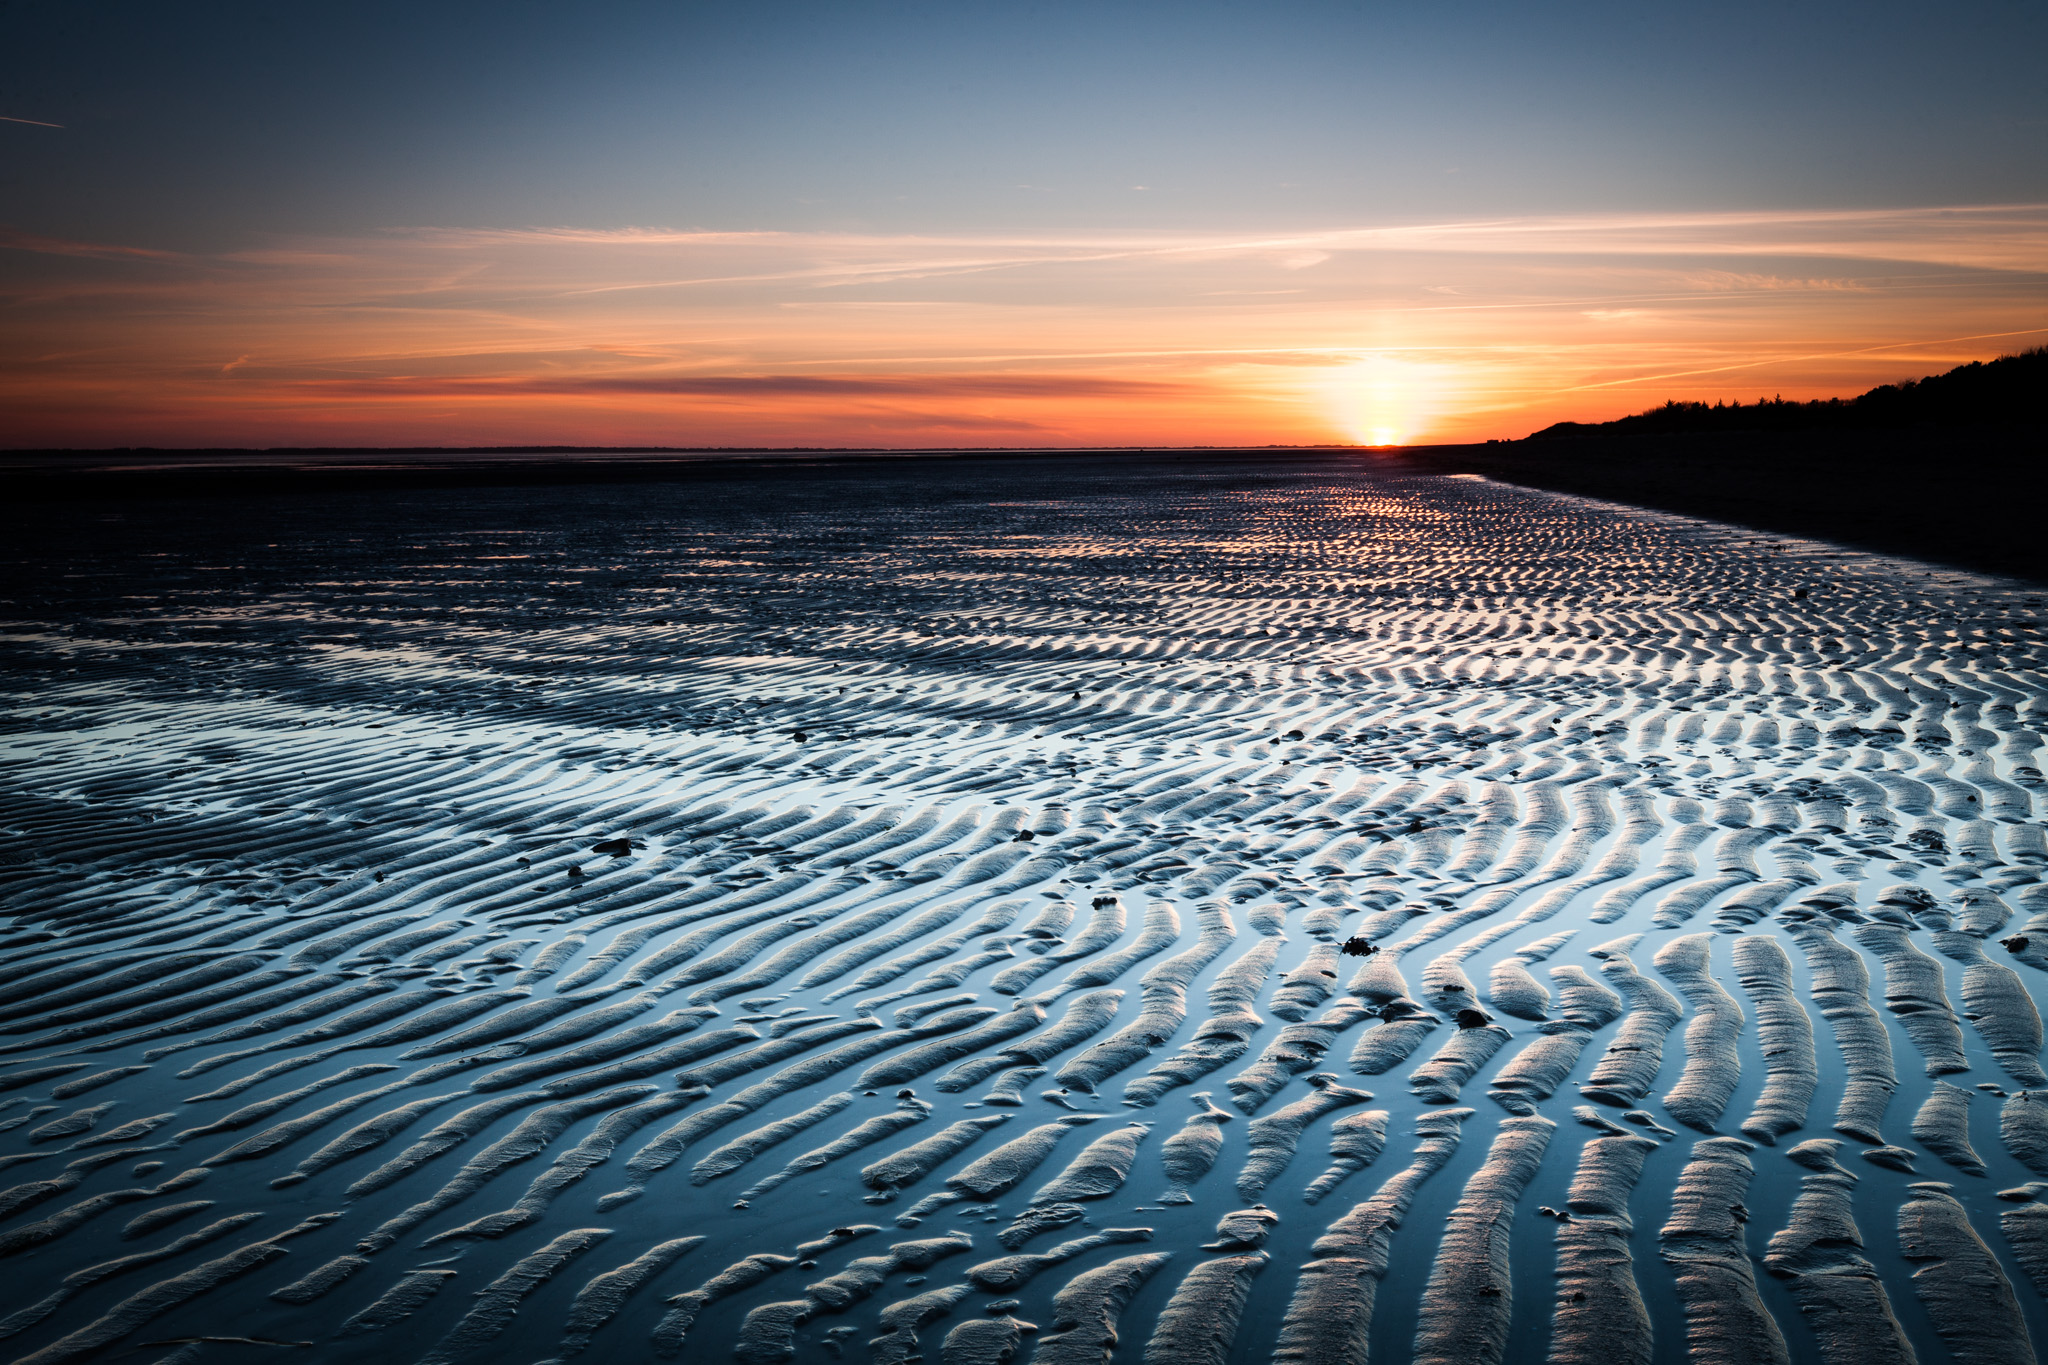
[1382, 402]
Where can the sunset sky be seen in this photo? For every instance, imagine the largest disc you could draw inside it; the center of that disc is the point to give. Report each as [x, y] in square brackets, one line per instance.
[868, 224]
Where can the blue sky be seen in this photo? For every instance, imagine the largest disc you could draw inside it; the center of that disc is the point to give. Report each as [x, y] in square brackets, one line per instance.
[191, 125]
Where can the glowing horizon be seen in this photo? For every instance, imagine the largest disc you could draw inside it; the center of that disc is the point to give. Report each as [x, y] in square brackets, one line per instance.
[1186, 224]
[1419, 333]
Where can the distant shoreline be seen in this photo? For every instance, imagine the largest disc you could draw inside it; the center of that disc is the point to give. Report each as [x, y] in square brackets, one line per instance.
[1972, 499]
[170, 473]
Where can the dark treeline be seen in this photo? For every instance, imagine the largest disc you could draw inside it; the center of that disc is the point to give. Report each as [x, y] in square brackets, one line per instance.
[2004, 393]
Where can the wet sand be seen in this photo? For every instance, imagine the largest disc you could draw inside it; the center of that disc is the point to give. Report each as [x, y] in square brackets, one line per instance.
[1972, 498]
[1012, 909]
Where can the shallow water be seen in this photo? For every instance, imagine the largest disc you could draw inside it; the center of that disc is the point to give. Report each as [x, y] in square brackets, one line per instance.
[1302, 695]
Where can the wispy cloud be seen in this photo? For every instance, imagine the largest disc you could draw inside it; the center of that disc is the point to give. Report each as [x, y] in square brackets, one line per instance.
[1490, 327]
[11, 240]
[751, 387]
[1980, 236]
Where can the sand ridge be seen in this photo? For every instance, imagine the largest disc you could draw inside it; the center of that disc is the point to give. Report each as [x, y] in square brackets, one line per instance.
[772, 923]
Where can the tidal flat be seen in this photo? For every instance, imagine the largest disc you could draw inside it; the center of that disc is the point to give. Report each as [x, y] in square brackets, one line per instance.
[1029, 910]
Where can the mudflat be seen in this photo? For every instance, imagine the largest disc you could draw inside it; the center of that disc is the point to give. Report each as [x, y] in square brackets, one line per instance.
[1035, 909]
[1975, 498]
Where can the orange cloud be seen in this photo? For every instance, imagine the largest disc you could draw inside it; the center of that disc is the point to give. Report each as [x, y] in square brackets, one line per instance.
[1418, 332]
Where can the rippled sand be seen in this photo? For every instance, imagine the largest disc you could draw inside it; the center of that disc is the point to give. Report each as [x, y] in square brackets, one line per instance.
[1015, 910]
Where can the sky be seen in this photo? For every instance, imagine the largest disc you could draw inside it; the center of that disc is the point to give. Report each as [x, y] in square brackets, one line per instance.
[1016, 224]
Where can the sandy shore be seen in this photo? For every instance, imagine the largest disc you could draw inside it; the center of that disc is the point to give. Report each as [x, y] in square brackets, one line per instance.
[1973, 498]
[1013, 910]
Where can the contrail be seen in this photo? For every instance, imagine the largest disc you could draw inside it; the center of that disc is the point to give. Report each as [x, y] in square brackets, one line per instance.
[36, 121]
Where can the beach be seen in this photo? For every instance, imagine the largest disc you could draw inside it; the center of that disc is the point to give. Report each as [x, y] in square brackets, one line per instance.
[1249, 907]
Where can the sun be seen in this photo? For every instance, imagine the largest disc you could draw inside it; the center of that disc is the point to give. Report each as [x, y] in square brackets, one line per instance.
[1382, 402]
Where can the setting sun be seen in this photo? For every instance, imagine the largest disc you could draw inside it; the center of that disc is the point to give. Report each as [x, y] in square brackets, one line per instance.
[1384, 402]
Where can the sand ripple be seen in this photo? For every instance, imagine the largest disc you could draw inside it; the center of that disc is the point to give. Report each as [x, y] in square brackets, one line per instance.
[492, 929]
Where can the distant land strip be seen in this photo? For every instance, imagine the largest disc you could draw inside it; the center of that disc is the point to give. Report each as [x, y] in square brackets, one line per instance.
[2002, 393]
[1952, 468]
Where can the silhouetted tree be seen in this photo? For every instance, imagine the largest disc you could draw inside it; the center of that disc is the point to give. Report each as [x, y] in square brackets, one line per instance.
[2007, 392]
